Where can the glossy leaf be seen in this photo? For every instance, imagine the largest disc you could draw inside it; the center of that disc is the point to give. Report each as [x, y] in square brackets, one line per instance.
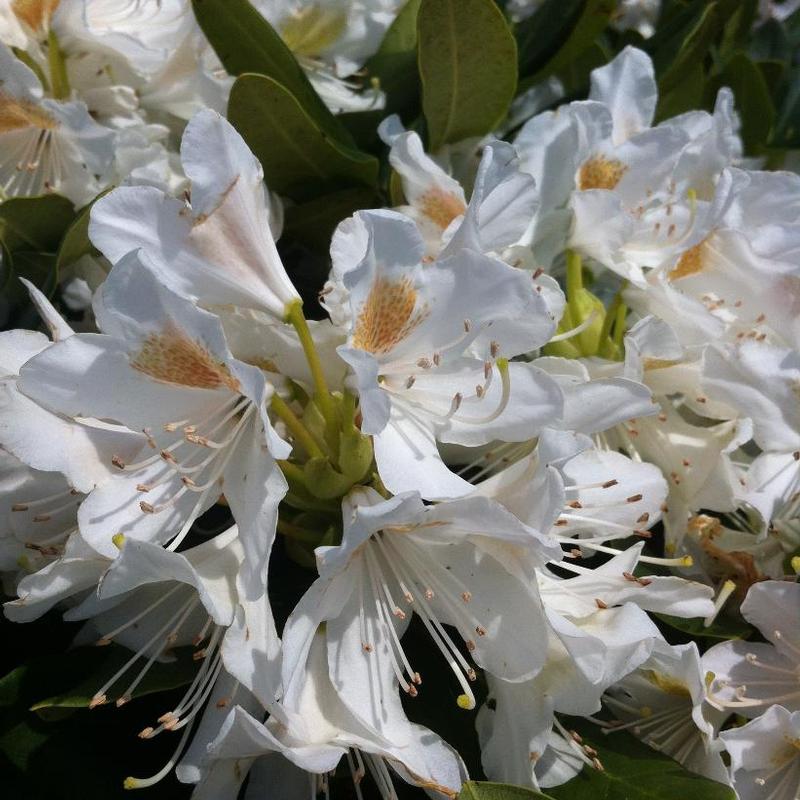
[681, 84]
[31, 229]
[75, 242]
[559, 33]
[632, 771]
[484, 790]
[299, 159]
[467, 64]
[787, 125]
[246, 42]
[35, 223]
[753, 101]
[90, 667]
[395, 63]
[38, 750]
[314, 222]
[722, 628]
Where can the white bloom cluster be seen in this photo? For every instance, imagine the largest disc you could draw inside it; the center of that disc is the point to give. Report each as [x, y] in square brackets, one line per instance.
[462, 452]
[95, 92]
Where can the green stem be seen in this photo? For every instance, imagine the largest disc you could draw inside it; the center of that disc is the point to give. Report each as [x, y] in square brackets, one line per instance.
[611, 316]
[59, 80]
[349, 409]
[619, 324]
[299, 431]
[295, 318]
[574, 285]
[292, 472]
[298, 533]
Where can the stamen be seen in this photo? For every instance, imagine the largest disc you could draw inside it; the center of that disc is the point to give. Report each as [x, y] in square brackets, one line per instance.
[728, 588]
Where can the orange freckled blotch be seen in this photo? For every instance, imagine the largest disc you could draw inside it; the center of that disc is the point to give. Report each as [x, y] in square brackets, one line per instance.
[441, 207]
[172, 357]
[388, 315]
[599, 172]
[690, 263]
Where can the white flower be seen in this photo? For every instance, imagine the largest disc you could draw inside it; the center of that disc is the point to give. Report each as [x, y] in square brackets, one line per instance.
[48, 145]
[580, 495]
[465, 564]
[735, 278]
[662, 703]
[760, 382]
[163, 367]
[49, 462]
[749, 677]
[309, 734]
[332, 40]
[411, 326]
[765, 756]
[597, 635]
[611, 186]
[500, 209]
[220, 249]
[583, 658]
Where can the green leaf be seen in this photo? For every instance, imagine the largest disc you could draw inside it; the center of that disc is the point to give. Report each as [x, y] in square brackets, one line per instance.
[396, 62]
[314, 222]
[632, 771]
[770, 42]
[753, 100]
[678, 85]
[787, 125]
[468, 66]
[558, 34]
[38, 749]
[246, 42]
[31, 229]
[484, 790]
[739, 16]
[35, 223]
[91, 667]
[722, 627]
[75, 242]
[299, 159]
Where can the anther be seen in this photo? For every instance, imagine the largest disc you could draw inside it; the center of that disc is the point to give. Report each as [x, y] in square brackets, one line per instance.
[117, 462]
[147, 507]
[424, 363]
[634, 498]
[467, 326]
[609, 484]
[437, 359]
[494, 349]
[600, 603]
[410, 381]
[19, 507]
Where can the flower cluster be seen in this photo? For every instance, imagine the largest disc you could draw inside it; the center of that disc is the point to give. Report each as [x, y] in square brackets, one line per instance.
[544, 349]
